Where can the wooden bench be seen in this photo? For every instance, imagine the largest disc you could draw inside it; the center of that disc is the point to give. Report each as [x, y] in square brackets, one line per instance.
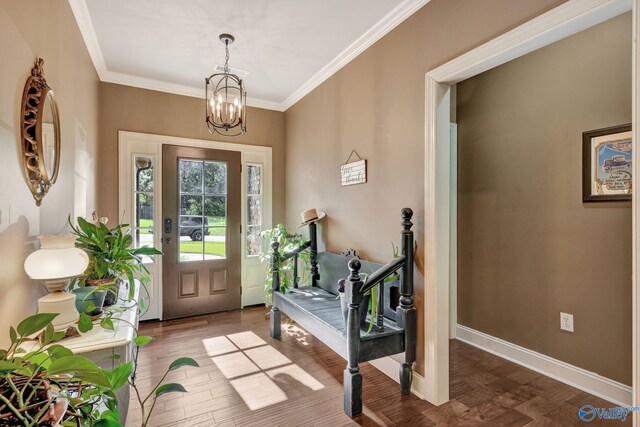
[317, 309]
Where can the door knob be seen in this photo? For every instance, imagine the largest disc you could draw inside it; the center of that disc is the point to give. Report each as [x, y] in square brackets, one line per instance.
[167, 240]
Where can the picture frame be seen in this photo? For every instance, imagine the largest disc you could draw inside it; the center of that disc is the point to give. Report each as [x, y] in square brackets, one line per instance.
[606, 164]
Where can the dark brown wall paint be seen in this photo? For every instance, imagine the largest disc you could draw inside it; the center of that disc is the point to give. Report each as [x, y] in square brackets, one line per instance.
[147, 111]
[375, 104]
[528, 247]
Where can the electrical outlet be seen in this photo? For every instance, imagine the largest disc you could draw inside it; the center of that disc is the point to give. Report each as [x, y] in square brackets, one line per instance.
[566, 322]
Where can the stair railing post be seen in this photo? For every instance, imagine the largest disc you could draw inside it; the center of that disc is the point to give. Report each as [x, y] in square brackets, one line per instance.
[352, 375]
[406, 309]
[274, 317]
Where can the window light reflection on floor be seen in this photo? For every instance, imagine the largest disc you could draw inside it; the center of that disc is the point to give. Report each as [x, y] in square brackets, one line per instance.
[254, 368]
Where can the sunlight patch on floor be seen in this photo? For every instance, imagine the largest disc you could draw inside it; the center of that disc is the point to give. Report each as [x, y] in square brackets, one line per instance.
[246, 339]
[254, 368]
[218, 345]
[267, 357]
[258, 391]
[295, 332]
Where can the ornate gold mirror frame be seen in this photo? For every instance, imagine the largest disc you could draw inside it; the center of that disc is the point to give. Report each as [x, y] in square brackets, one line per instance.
[37, 94]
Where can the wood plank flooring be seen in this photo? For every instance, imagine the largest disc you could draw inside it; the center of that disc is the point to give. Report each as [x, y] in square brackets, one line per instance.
[247, 378]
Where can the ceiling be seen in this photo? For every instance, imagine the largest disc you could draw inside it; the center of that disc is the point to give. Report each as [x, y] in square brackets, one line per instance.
[287, 47]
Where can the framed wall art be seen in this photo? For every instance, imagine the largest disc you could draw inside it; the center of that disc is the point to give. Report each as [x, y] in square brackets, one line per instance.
[606, 164]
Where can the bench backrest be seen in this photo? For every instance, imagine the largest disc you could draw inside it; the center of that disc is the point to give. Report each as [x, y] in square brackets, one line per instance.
[333, 267]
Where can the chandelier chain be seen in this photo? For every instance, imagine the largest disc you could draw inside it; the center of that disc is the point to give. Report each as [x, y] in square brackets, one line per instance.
[226, 57]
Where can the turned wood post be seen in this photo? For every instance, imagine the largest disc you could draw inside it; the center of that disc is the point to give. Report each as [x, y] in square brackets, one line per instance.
[352, 375]
[295, 271]
[313, 238]
[406, 309]
[274, 318]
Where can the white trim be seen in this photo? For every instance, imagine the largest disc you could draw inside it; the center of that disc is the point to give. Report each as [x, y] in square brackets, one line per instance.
[176, 89]
[151, 144]
[375, 33]
[391, 368]
[362, 43]
[83, 19]
[563, 21]
[574, 376]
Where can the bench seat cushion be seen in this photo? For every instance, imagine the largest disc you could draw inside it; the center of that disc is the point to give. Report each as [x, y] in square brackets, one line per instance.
[318, 311]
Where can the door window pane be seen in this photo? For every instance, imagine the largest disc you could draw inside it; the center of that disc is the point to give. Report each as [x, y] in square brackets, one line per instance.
[203, 210]
[254, 209]
[144, 174]
[253, 240]
[190, 176]
[215, 177]
[143, 212]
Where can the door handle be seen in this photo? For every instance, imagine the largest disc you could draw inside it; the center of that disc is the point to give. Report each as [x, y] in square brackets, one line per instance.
[167, 240]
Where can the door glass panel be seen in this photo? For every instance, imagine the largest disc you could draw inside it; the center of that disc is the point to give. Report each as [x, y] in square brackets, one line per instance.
[203, 210]
[190, 176]
[143, 224]
[191, 209]
[215, 178]
[254, 209]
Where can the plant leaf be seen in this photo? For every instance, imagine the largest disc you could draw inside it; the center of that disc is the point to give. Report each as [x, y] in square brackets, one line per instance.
[84, 323]
[13, 335]
[83, 368]
[57, 351]
[120, 375]
[49, 333]
[142, 340]
[183, 361]
[107, 323]
[107, 422]
[6, 366]
[35, 323]
[170, 388]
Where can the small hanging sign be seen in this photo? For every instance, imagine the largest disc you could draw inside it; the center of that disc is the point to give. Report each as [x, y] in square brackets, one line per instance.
[354, 172]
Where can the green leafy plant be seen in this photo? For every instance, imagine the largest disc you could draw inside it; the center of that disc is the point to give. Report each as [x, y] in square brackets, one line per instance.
[111, 255]
[43, 383]
[122, 373]
[288, 241]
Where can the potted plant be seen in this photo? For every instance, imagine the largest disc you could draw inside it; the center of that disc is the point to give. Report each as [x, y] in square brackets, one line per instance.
[288, 241]
[43, 383]
[112, 257]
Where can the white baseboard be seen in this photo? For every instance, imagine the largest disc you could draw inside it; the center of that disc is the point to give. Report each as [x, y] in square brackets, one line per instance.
[579, 378]
[391, 368]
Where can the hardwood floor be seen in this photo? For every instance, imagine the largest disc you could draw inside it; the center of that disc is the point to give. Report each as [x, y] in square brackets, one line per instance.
[247, 378]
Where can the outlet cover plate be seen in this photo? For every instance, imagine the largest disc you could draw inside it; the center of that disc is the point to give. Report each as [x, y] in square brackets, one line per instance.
[566, 322]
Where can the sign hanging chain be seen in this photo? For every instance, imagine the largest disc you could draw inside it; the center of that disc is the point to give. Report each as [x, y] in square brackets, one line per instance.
[351, 155]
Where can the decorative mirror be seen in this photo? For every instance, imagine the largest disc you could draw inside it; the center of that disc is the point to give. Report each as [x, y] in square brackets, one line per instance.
[40, 133]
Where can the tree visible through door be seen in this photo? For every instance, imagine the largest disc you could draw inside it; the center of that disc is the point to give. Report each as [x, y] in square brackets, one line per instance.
[201, 231]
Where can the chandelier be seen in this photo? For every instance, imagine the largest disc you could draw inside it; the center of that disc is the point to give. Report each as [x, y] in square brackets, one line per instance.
[226, 99]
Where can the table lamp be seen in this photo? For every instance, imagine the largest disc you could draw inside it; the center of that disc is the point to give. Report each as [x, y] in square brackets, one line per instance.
[56, 263]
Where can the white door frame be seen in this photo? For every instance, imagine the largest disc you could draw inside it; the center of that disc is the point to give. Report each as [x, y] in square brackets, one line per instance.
[561, 22]
[133, 143]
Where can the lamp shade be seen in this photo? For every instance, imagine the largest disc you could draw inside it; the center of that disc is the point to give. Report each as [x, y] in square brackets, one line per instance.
[57, 260]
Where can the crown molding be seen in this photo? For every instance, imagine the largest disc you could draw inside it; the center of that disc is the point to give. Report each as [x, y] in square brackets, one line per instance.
[375, 33]
[176, 88]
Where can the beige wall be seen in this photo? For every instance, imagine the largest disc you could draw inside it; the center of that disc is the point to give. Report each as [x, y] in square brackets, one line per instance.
[528, 247]
[30, 29]
[147, 111]
[375, 105]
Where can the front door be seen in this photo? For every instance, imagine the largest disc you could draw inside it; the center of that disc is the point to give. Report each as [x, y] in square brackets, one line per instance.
[201, 230]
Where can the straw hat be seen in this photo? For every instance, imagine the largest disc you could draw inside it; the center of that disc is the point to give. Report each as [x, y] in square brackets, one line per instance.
[310, 215]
